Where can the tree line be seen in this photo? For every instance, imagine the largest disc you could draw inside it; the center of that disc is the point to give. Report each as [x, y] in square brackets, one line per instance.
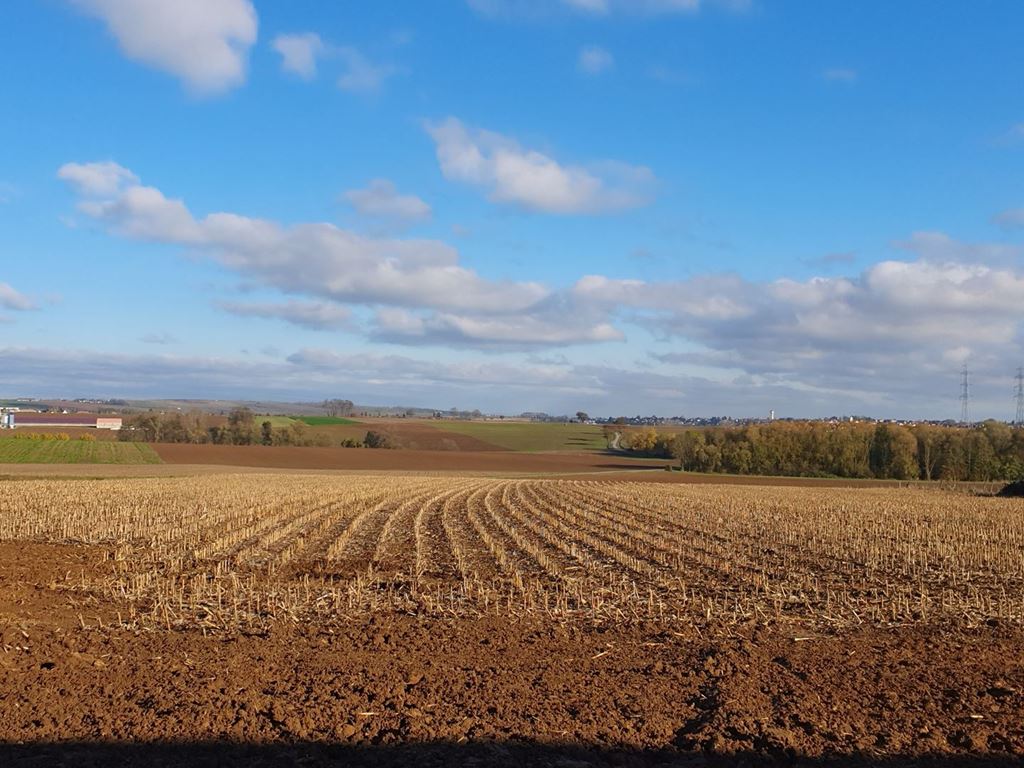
[991, 450]
[242, 427]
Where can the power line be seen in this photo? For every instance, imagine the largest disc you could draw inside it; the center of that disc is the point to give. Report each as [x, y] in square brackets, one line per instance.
[1019, 421]
[965, 395]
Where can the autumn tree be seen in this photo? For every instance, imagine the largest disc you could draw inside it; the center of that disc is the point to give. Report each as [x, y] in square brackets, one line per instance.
[241, 428]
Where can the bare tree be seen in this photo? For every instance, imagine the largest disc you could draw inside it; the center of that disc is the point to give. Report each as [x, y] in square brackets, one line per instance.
[335, 408]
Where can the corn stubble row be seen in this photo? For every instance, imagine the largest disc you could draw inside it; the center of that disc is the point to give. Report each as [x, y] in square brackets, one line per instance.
[242, 551]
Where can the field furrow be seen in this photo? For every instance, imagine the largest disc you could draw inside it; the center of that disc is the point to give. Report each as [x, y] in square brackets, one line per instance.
[357, 546]
[398, 544]
[438, 555]
[325, 546]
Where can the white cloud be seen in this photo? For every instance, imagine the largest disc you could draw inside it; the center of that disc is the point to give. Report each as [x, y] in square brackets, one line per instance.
[840, 75]
[361, 75]
[144, 213]
[538, 328]
[940, 247]
[317, 316]
[205, 43]
[325, 262]
[889, 332]
[13, 300]
[8, 192]
[299, 53]
[305, 374]
[1011, 218]
[97, 179]
[533, 180]
[381, 201]
[594, 60]
[886, 334]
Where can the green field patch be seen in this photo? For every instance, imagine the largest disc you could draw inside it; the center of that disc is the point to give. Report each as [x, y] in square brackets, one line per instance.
[21, 451]
[325, 421]
[531, 436]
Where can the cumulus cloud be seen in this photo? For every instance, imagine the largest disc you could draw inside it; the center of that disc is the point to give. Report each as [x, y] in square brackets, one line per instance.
[326, 262]
[380, 201]
[205, 43]
[542, 327]
[315, 315]
[894, 330]
[594, 60]
[891, 330]
[532, 180]
[97, 179]
[14, 300]
[299, 53]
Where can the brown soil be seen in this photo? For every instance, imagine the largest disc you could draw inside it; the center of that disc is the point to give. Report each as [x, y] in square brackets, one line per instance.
[598, 467]
[397, 690]
[401, 459]
[419, 436]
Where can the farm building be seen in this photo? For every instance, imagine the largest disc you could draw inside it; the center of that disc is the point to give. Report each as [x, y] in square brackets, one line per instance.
[95, 421]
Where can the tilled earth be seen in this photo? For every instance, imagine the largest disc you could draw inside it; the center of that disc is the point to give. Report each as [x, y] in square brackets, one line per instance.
[393, 690]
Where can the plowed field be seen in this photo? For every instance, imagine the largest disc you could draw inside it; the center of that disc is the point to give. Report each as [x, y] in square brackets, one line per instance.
[372, 619]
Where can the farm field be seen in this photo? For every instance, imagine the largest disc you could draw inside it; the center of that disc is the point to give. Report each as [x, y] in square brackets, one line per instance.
[407, 434]
[309, 421]
[529, 436]
[24, 451]
[470, 620]
[415, 460]
[326, 421]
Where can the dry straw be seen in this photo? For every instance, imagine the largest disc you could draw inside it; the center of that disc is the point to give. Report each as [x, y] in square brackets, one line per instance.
[223, 552]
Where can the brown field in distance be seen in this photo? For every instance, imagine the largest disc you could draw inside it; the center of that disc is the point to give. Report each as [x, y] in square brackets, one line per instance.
[287, 457]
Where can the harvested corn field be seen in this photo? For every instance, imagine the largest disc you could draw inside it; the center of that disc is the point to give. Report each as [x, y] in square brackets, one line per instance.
[379, 620]
[234, 552]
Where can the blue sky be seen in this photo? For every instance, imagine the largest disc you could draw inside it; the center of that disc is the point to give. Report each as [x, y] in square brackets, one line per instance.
[626, 206]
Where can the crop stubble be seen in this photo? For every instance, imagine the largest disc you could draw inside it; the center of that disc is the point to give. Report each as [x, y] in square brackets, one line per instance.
[233, 551]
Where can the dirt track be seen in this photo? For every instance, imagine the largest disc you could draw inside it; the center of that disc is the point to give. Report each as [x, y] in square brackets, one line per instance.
[486, 691]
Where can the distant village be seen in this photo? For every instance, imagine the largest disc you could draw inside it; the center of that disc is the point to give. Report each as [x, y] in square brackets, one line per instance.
[107, 413]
